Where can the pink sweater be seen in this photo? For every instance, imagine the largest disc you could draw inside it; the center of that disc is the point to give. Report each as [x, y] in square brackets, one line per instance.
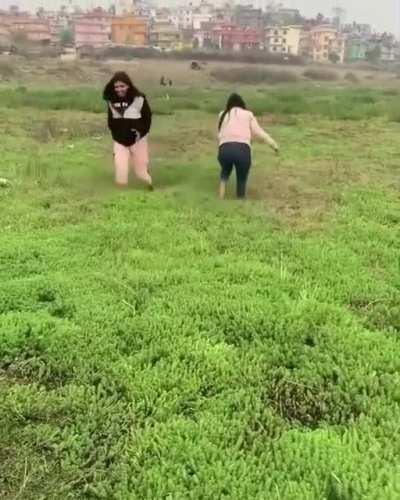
[240, 125]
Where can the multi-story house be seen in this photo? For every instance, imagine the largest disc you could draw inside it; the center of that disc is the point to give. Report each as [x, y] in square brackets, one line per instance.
[130, 30]
[385, 43]
[305, 45]
[364, 30]
[93, 30]
[283, 40]
[57, 22]
[185, 17]
[33, 29]
[327, 44]
[204, 13]
[164, 35]
[246, 16]
[356, 48]
[231, 37]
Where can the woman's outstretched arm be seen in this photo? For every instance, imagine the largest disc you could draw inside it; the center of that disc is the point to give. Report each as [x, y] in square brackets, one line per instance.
[257, 131]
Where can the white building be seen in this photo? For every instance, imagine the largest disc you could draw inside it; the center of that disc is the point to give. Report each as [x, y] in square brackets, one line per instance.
[185, 16]
[191, 17]
[204, 13]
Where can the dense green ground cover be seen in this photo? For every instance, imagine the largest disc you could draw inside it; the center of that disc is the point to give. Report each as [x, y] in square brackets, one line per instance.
[345, 103]
[167, 345]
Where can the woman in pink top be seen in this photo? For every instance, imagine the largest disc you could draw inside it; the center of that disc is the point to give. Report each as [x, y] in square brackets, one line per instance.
[236, 128]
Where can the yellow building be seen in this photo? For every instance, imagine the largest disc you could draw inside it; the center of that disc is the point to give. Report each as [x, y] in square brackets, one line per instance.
[165, 36]
[327, 44]
[130, 30]
[283, 40]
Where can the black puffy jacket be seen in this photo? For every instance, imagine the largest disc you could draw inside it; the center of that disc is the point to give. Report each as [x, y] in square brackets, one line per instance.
[129, 120]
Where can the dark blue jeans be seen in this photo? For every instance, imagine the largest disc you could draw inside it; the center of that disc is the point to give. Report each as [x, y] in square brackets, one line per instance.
[238, 155]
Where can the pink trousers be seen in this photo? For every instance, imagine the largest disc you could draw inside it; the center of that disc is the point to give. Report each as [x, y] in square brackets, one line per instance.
[138, 154]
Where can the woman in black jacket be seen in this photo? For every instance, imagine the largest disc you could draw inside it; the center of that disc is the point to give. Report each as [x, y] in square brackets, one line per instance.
[129, 120]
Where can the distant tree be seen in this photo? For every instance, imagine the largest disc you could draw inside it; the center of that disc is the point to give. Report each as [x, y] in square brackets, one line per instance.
[373, 55]
[67, 37]
[40, 12]
[112, 10]
[14, 10]
[334, 57]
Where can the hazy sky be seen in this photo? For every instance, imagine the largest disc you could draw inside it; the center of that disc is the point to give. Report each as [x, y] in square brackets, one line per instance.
[382, 14]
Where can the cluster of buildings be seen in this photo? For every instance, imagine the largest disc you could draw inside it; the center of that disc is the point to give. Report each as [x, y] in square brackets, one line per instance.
[200, 26]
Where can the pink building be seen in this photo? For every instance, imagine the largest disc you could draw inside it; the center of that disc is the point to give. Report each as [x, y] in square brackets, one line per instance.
[92, 32]
[230, 37]
[237, 38]
[57, 24]
[33, 28]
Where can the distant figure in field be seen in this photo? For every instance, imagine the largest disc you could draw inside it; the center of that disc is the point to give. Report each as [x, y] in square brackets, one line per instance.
[195, 66]
[170, 82]
[129, 120]
[236, 128]
[163, 83]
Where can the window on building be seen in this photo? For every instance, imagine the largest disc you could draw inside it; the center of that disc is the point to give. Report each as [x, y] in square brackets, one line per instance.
[284, 40]
[276, 40]
[276, 32]
[285, 32]
[275, 49]
[326, 55]
[327, 39]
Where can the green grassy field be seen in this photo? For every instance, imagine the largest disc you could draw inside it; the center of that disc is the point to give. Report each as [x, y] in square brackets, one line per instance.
[170, 346]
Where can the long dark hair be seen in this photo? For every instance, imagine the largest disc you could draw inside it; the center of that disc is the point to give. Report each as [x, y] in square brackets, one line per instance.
[109, 91]
[234, 101]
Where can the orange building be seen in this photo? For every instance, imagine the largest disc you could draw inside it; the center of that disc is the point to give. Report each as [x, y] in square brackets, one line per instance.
[326, 40]
[130, 30]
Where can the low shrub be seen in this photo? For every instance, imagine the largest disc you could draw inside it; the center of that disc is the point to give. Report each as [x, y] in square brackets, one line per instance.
[253, 57]
[321, 74]
[394, 114]
[390, 92]
[351, 77]
[7, 70]
[254, 75]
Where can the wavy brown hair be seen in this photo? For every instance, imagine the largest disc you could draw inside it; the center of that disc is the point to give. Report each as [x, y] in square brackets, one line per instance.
[109, 90]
